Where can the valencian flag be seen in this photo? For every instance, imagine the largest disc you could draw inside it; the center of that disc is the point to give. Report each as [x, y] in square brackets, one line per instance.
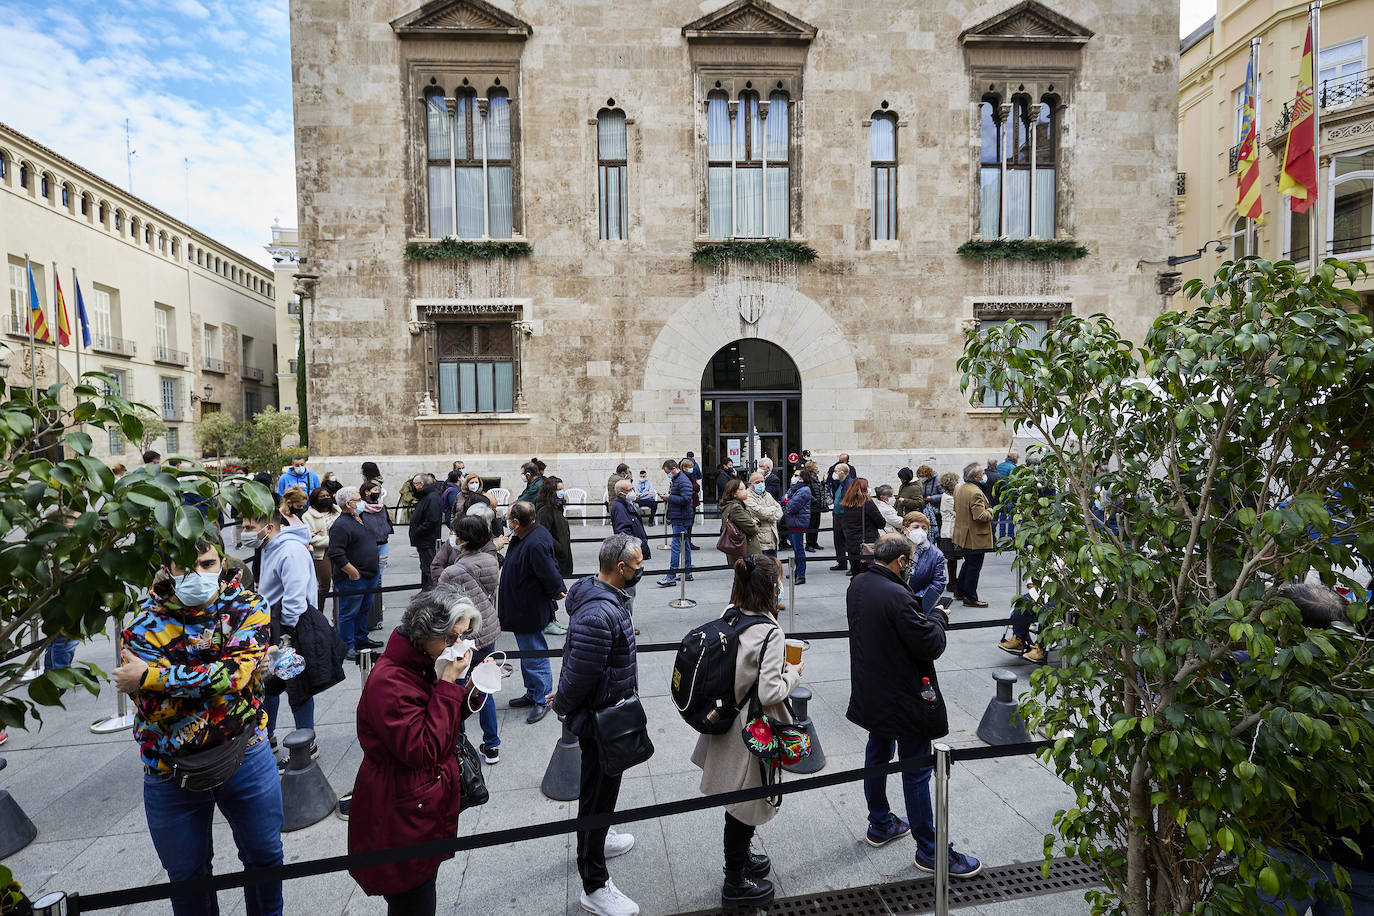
[64, 330]
[1299, 176]
[38, 325]
[81, 318]
[1247, 178]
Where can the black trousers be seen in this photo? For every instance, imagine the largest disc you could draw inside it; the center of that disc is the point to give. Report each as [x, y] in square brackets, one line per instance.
[418, 901]
[427, 552]
[840, 550]
[813, 530]
[968, 575]
[947, 547]
[737, 837]
[597, 795]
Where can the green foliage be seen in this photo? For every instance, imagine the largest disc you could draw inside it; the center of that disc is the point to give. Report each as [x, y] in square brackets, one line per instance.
[217, 432]
[1022, 250]
[451, 249]
[259, 446]
[753, 252]
[1181, 486]
[12, 898]
[152, 427]
[77, 547]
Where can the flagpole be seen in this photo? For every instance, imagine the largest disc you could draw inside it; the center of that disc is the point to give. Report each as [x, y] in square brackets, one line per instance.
[1251, 236]
[1314, 226]
[33, 344]
[57, 330]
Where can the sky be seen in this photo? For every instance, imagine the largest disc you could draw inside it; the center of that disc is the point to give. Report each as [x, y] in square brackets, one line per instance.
[205, 85]
[206, 88]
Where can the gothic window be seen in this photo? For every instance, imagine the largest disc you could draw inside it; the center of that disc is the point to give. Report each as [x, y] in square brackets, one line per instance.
[469, 155]
[476, 367]
[882, 135]
[1017, 167]
[612, 154]
[749, 144]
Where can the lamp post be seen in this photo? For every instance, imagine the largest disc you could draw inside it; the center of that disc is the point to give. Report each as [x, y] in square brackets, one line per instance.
[1185, 258]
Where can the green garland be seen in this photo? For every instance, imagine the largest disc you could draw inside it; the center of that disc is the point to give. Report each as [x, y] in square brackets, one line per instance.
[1023, 250]
[754, 252]
[451, 249]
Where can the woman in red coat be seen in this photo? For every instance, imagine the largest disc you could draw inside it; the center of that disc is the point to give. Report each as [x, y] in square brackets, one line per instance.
[409, 720]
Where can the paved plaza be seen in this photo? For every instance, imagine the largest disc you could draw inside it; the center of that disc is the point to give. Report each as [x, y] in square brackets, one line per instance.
[84, 791]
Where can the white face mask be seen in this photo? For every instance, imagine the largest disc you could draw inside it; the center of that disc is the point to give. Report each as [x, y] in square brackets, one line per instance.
[453, 541]
[475, 487]
[918, 536]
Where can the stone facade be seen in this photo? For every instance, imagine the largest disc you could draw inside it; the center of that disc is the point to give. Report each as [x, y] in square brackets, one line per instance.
[611, 337]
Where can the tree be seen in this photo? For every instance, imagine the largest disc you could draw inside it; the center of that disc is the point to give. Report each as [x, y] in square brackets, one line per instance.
[260, 447]
[1181, 486]
[77, 547]
[218, 432]
[152, 426]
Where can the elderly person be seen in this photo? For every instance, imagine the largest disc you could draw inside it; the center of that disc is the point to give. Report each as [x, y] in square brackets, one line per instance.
[837, 482]
[910, 497]
[772, 483]
[733, 510]
[972, 532]
[927, 569]
[945, 504]
[767, 512]
[886, 501]
[813, 530]
[796, 517]
[862, 524]
[323, 512]
[528, 595]
[357, 569]
[726, 762]
[476, 573]
[409, 722]
[426, 522]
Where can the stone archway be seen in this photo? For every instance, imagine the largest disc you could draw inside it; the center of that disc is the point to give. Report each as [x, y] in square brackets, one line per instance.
[669, 395]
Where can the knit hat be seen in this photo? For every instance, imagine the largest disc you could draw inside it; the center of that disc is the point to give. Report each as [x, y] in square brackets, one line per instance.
[904, 475]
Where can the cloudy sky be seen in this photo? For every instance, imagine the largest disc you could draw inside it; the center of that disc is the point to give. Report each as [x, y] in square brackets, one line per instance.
[206, 87]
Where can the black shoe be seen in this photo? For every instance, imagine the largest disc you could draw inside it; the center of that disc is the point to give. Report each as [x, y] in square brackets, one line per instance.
[537, 713]
[521, 702]
[837, 568]
[375, 628]
[757, 866]
[740, 890]
[801, 581]
[369, 644]
[351, 655]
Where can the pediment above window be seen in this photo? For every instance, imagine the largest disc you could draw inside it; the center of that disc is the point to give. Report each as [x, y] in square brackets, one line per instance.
[749, 21]
[452, 19]
[1027, 23]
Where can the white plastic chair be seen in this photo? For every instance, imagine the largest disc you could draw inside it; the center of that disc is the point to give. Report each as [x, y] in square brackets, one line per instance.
[575, 495]
[501, 495]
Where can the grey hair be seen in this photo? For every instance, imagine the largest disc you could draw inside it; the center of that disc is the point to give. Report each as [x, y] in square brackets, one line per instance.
[1033, 459]
[347, 493]
[1320, 606]
[623, 486]
[766, 461]
[618, 548]
[432, 614]
[971, 470]
[842, 467]
[883, 492]
[759, 474]
[1013, 455]
[891, 547]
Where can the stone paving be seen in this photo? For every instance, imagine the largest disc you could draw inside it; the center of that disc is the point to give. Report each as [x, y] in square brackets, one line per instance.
[84, 791]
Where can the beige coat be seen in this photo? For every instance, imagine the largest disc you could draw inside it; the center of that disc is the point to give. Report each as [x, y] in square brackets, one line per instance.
[767, 513]
[319, 523]
[725, 761]
[972, 518]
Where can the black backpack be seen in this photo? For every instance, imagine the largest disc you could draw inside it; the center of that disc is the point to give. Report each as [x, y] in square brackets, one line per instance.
[703, 684]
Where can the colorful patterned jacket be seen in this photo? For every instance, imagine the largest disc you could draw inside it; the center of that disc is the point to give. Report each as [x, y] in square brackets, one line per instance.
[202, 687]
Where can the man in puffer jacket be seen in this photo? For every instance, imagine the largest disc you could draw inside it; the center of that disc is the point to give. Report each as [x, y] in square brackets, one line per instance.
[599, 671]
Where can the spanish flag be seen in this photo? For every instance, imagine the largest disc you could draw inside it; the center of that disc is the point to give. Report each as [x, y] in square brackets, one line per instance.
[1247, 179]
[1299, 176]
[64, 330]
[38, 325]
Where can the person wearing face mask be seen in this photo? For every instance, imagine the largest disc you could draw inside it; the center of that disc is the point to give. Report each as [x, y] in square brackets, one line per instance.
[472, 495]
[625, 520]
[528, 595]
[475, 572]
[534, 481]
[190, 661]
[767, 512]
[972, 532]
[926, 574]
[796, 518]
[426, 523]
[734, 511]
[298, 475]
[886, 501]
[378, 521]
[353, 553]
[320, 517]
[549, 513]
[646, 495]
[910, 497]
[680, 515]
[331, 483]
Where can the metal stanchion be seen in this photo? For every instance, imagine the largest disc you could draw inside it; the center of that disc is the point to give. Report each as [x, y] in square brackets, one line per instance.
[51, 904]
[667, 537]
[37, 670]
[682, 601]
[942, 830]
[124, 719]
[365, 663]
[791, 593]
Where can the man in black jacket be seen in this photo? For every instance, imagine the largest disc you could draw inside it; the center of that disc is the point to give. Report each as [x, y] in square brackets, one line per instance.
[426, 523]
[354, 557]
[526, 599]
[895, 697]
[598, 671]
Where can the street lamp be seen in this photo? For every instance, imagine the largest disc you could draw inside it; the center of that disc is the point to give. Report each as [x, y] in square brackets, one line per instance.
[208, 389]
[1185, 258]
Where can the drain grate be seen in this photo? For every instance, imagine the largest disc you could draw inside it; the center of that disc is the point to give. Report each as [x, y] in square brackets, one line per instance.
[1005, 882]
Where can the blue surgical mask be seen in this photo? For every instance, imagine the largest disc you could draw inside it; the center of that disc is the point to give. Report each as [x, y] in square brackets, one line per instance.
[195, 589]
[561, 495]
[759, 488]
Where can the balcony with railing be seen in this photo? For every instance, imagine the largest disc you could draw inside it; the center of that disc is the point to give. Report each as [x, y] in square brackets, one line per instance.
[114, 346]
[252, 374]
[217, 366]
[291, 366]
[1182, 183]
[1333, 94]
[170, 357]
[173, 411]
[1233, 159]
[16, 327]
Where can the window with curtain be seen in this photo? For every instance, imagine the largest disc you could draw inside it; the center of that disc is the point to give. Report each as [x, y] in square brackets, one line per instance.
[1240, 239]
[102, 317]
[1017, 168]
[476, 367]
[612, 153]
[469, 166]
[19, 300]
[1352, 202]
[883, 162]
[748, 153]
[1040, 322]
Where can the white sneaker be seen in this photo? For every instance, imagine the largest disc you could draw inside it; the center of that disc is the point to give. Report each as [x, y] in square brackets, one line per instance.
[609, 901]
[617, 844]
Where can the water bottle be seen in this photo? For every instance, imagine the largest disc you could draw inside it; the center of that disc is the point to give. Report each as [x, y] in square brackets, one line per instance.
[288, 662]
[927, 691]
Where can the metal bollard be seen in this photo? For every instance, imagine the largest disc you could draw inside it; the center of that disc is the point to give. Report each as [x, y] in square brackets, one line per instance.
[682, 601]
[123, 719]
[999, 724]
[942, 830]
[365, 663]
[562, 776]
[667, 537]
[37, 670]
[791, 593]
[54, 903]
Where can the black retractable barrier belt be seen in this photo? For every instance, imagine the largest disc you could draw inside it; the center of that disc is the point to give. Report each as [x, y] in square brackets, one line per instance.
[24, 650]
[79, 903]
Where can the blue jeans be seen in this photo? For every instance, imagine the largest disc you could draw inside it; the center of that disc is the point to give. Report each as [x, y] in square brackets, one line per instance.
[799, 551]
[179, 821]
[60, 653]
[915, 786]
[353, 609]
[681, 534]
[1361, 891]
[1006, 527]
[487, 715]
[537, 673]
[303, 717]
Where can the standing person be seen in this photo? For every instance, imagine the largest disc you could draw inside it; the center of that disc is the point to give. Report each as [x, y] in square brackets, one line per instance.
[680, 514]
[354, 558]
[724, 475]
[320, 517]
[895, 697]
[426, 523]
[695, 470]
[622, 472]
[298, 475]
[948, 482]
[910, 496]
[473, 495]
[796, 518]
[813, 530]
[726, 763]
[409, 722]
[294, 504]
[972, 532]
[529, 593]
[190, 662]
[378, 521]
[371, 473]
[1006, 528]
[599, 670]
[549, 513]
[838, 490]
[625, 520]
[331, 482]
[926, 573]
[832, 476]
[733, 510]
[646, 496]
[476, 574]
[862, 522]
[152, 461]
[989, 482]
[449, 495]
[886, 501]
[771, 482]
[533, 476]
[693, 474]
[767, 512]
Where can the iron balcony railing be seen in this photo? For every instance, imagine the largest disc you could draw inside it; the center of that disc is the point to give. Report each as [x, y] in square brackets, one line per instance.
[217, 366]
[1332, 94]
[255, 375]
[1182, 183]
[1233, 158]
[169, 356]
[115, 346]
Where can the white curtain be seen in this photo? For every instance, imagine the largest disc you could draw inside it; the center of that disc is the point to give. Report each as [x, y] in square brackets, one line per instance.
[749, 203]
[438, 134]
[718, 192]
[718, 129]
[1018, 203]
[777, 201]
[749, 117]
[467, 387]
[498, 127]
[505, 387]
[1044, 203]
[882, 202]
[448, 388]
[440, 201]
[485, 395]
[778, 133]
[460, 126]
[883, 140]
[469, 196]
[990, 202]
[612, 184]
[610, 135]
[500, 200]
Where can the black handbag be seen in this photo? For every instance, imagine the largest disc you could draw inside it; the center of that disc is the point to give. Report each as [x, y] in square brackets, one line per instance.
[622, 732]
[213, 767]
[472, 787]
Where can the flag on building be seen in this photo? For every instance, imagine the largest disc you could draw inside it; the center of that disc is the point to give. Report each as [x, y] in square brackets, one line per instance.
[64, 328]
[81, 318]
[1247, 160]
[38, 324]
[1299, 176]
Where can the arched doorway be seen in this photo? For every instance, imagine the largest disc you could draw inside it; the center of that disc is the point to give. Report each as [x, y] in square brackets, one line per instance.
[750, 407]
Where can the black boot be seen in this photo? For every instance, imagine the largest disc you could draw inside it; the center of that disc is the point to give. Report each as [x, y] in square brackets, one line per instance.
[740, 890]
[757, 866]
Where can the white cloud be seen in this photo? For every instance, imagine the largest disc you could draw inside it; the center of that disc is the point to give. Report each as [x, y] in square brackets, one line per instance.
[190, 8]
[1193, 13]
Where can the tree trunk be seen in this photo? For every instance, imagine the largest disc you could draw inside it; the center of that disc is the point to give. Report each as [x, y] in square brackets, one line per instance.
[1137, 868]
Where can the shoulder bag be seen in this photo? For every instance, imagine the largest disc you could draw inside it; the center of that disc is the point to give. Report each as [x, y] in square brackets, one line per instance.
[866, 547]
[773, 744]
[732, 541]
[472, 787]
[622, 733]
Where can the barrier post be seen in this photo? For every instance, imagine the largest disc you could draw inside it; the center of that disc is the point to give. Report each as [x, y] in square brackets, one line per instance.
[51, 904]
[667, 537]
[941, 829]
[38, 668]
[123, 718]
[682, 601]
[365, 663]
[791, 593]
